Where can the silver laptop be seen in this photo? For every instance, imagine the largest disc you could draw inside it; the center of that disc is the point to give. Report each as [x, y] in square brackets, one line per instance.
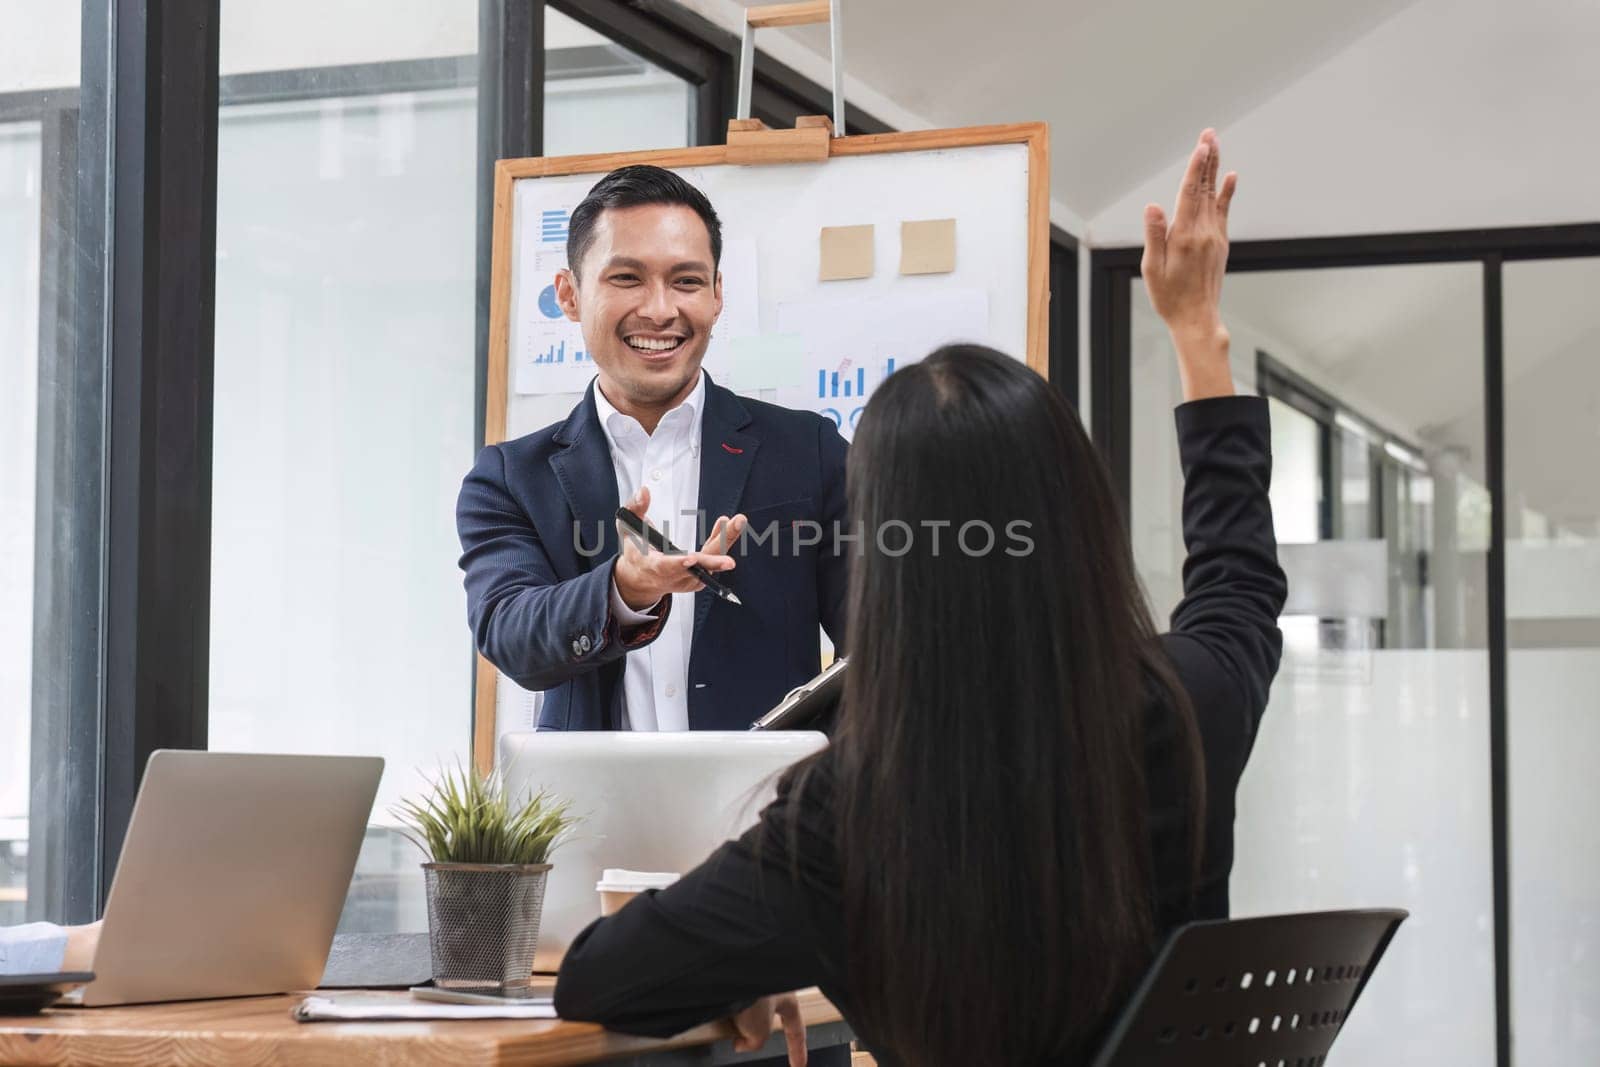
[232, 876]
[650, 801]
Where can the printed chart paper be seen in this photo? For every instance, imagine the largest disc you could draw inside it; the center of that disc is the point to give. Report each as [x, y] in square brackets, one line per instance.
[850, 346]
[548, 354]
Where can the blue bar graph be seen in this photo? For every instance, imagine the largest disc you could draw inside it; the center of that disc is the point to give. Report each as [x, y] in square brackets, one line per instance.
[829, 384]
[553, 227]
[557, 354]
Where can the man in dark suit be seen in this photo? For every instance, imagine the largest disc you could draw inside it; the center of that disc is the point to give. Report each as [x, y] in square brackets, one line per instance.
[616, 636]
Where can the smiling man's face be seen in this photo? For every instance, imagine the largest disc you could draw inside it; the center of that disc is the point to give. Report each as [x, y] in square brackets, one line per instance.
[647, 295]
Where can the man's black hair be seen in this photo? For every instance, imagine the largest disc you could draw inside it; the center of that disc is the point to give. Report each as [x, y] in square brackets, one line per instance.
[631, 187]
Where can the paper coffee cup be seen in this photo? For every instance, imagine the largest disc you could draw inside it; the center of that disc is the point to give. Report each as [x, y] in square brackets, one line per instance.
[617, 886]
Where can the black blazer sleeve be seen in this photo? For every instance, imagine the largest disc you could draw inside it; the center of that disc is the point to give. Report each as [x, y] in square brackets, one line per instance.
[737, 927]
[1224, 637]
[538, 629]
[1224, 643]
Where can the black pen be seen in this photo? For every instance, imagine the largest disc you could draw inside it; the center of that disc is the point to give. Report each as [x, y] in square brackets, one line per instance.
[653, 537]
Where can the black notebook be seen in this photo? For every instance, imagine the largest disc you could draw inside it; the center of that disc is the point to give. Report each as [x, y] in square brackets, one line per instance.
[25, 994]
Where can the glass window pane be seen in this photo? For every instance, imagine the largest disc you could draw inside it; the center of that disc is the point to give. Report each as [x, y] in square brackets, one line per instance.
[346, 268]
[1296, 473]
[600, 97]
[1356, 513]
[19, 404]
[49, 542]
[1369, 780]
[346, 264]
[1552, 426]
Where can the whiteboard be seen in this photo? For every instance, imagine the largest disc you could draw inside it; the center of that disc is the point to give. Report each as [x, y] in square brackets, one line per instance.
[778, 211]
[784, 336]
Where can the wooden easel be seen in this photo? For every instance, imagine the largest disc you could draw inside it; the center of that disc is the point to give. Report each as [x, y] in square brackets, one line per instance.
[749, 139]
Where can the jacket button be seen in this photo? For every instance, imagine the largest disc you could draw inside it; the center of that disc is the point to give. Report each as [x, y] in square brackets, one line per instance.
[584, 644]
[577, 648]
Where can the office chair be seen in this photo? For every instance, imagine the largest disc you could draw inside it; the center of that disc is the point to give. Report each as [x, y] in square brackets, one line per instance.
[1267, 992]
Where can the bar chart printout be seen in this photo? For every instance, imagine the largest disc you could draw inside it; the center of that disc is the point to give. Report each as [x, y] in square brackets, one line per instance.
[852, 346]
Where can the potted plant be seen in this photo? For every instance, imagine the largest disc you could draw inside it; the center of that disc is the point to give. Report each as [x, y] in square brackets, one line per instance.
[489, 859]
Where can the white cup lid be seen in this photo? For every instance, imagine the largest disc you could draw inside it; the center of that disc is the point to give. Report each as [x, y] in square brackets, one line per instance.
[617, 880]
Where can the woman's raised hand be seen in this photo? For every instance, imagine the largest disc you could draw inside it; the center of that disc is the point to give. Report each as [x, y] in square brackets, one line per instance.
[1184, 261]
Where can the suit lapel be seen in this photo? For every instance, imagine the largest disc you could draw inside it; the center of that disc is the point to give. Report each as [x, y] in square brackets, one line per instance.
[726, 456]
[588, 479]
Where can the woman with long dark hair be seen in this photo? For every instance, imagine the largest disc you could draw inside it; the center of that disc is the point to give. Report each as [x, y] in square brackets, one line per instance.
[1027, 786]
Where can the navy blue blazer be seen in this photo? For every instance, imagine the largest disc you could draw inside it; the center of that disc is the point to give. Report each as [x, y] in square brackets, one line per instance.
[536, 517]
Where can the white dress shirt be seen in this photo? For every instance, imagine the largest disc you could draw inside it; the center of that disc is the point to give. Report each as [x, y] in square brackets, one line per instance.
[36, 948]
[656, 677]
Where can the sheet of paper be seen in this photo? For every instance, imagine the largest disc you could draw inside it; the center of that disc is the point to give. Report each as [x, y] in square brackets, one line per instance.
[741, 308]
[928, 246]
[846, 252]
[516, 708]
[547, 350]
[372, 1006]
[766, 361]
[850, 346]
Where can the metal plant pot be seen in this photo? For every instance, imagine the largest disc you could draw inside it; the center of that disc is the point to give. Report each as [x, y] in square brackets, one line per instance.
[483, 923]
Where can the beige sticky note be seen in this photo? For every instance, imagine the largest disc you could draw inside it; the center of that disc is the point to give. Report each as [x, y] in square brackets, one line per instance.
[846, 253]
[928, 246]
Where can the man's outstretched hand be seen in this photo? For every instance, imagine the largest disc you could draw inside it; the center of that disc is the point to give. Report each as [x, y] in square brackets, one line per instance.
[644, 576]
[1184, 261]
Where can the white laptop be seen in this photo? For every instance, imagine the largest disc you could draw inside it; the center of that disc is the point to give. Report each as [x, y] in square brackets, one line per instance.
[232, 877]
[650, 801]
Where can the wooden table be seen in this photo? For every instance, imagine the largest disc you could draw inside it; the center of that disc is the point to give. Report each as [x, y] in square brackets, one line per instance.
[259, 1031]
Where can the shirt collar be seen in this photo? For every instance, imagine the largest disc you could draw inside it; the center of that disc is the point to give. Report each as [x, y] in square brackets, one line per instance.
[686, 417]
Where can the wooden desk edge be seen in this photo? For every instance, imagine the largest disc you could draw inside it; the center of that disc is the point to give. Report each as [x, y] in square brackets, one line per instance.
[259, 1030]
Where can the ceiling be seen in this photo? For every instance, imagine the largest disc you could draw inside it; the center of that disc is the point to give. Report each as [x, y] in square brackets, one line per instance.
[1343, 117]
[1120, 99]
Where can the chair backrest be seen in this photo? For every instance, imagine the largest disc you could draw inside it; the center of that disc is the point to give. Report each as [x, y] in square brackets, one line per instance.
[1272, 991]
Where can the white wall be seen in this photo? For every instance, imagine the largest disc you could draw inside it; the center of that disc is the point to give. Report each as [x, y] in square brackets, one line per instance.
[39, 44]
[283, 34]
[40, 40]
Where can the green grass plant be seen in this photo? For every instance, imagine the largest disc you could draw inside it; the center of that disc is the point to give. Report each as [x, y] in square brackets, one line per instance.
[470, 817]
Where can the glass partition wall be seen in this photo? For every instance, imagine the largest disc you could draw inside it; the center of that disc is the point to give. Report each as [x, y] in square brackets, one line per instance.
[1431, 736]
[1369, 781]
[52, 441]
[1552, 493]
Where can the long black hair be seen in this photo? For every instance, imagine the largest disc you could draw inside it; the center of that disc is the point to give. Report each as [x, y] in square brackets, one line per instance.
[991, 797]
